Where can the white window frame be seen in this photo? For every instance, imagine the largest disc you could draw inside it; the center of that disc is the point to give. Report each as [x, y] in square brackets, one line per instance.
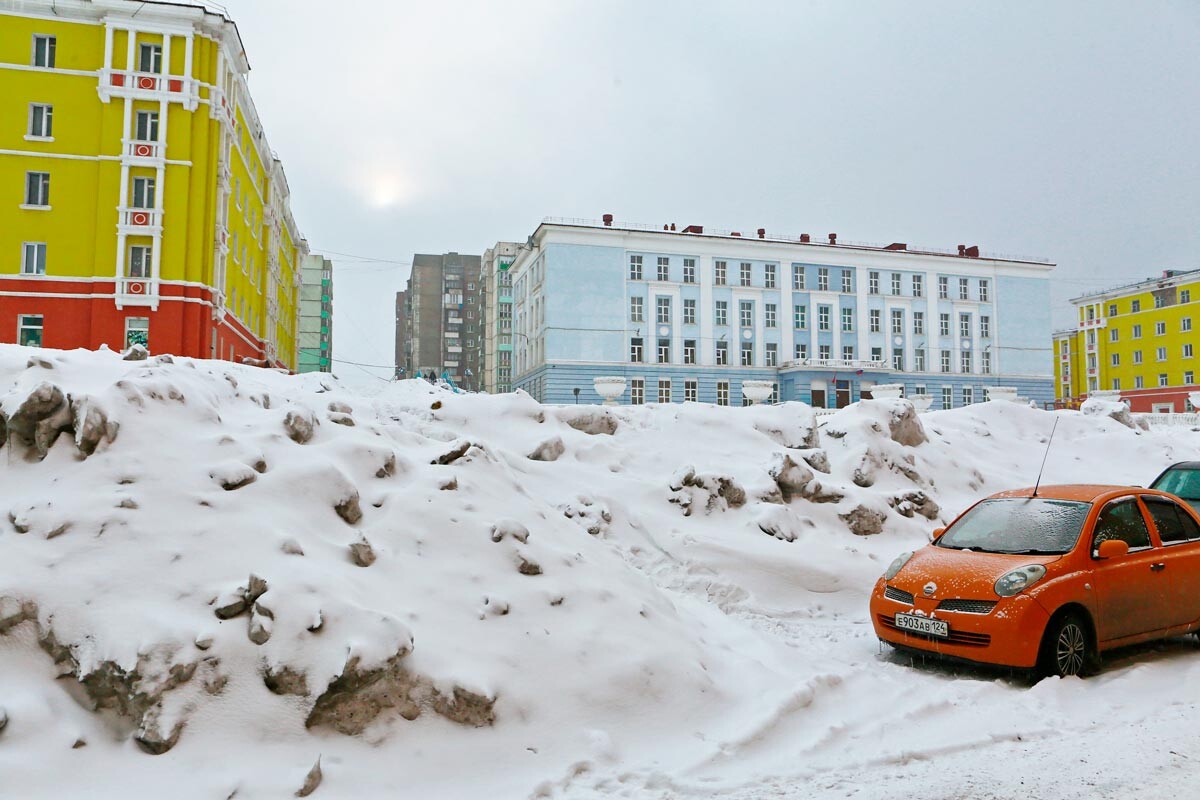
[847, 320]
[722, 393]
[663, 272]
[691, 390]
[746, 273]
[140, 255]
[918, 323]
[746, 313]
[145, 126]
[798, 281]
[689, 270]
[142, 193]
[155, 52]
[664, 390]
[637, 391]
[769, 315]
[50, 48]
[135, 324]
[39, 258]
[23, 326]
[689, 311]
[769, 276]
[37, 189]
[771, 354]
[41, 122]
[662, 310]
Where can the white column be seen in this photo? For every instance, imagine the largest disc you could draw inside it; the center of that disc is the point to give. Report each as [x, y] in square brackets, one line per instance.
[707, 356]
[862, 315]
[786, 318]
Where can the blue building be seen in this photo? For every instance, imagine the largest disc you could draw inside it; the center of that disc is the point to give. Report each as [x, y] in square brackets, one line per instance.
[690, 314]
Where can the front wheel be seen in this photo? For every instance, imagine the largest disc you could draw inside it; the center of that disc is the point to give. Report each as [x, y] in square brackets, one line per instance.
[1067, 649]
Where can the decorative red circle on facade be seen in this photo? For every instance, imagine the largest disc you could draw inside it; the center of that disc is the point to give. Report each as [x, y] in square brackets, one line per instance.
[142, 150]
[136, 288]
[145, 83]
[140, 219]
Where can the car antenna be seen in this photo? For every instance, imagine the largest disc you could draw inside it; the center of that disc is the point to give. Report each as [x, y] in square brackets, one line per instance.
[1044, 457]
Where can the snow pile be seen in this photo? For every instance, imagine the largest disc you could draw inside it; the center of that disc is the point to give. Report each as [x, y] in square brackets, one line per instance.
[446, 595]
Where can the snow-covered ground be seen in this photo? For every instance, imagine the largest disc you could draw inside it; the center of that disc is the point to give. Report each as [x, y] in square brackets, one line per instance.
[481, 597]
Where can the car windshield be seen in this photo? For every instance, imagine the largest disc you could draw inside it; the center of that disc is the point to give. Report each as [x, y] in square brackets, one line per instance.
[1029, 525]
[1183, 483]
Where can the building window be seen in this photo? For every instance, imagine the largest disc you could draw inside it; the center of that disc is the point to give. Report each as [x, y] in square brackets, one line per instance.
[964, 325]
[664, 351]
[635, 268]
[918, 322]
[37, 188]
[968, 395]
[964, 290]
[769, 276]
[719, 270]
[746, 313]
[747, 354]
[919, 361]
[947, 397]
[822, 279]
[1189, 378]
[1162, 354]
[797, 277]
[721, 317]
[33, 258]
[848, 352]
[986, 362]
[800, 321]
[137, 331]
[143, 193]
[874, 320]
[877, 355]
[635, 350]
[824, 352]
[41, 120]
[984, 294]
[1162, 379]
[744, 273]
[1116, 359]
[918, 285]
[689, 270]
[1185, 295]
[722, 354]
[722, 393]
[943, 287]
[945, 361]
[801, 352]
[689, 312]
[1116, 383]
[847, 281]
[664, 390]
[897, 321]
[43, 51]
[689, 351]
[964, 361]
[1135, 306]
[895, 283]
[1185, 324]
[662, 310]
[944, 324]
[1187, 350]
[769, 315]
[690, 392]
[139, 261]
[1138, 382]
[772, 355]
[873, 283]
[637, 391]
[1159, 301]
[636, 309]
[664, 269]
[898, 359]
[847, 319]
[150, 58]
[1137, 356]
[822, 318]
[985, 327]
[1160, 329]
[1137, 332]
[29, 330]
[1113, 335]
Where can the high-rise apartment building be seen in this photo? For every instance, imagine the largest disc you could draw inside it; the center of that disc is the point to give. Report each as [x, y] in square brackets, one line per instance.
[316, 315]
[1139, 339]
[139, 198]
[441, 318]
[691, 314]
[496, 302]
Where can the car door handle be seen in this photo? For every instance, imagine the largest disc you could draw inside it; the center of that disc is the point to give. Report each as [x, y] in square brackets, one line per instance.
[1159, 567]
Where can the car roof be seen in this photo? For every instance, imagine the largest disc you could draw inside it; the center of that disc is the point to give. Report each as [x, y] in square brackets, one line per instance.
[1080, 492]
[1184, 465]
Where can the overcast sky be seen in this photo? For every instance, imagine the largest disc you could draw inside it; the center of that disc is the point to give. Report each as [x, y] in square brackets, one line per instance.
[1066, 130]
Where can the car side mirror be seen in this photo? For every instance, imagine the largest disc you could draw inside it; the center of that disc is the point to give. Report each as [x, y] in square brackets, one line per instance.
[936, 533]
[1112, 548]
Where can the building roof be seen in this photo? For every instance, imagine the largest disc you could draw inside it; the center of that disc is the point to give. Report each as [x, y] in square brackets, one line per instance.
[1169, 277]
[804, 240]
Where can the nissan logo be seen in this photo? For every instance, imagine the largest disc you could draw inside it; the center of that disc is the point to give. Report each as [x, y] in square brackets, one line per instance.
[930, 588]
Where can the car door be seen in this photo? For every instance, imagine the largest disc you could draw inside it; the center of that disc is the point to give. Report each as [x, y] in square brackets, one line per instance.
[1132, 591]
[1180, 535]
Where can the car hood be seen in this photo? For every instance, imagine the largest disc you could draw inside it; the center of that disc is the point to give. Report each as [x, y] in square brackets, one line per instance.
[959, 573]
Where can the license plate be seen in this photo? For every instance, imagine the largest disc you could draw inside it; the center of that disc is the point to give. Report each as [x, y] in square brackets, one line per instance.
[925, 625]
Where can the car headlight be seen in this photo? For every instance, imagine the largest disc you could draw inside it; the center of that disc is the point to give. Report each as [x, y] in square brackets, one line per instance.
[1018, 580]
[897, 565]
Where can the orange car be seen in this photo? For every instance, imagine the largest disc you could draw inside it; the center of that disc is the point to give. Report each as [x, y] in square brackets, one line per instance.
[1047, 581]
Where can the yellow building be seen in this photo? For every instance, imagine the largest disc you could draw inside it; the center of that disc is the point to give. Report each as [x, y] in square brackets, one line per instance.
[139, 198]
[1139, 340]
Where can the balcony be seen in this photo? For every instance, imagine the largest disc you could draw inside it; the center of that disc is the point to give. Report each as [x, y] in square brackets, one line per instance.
[836, 363]
[144, 151]
[147, 86]
[139, 221]
[135, 291]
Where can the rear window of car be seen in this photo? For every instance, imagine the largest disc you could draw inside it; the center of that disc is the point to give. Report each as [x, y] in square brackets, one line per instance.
[1183, 483]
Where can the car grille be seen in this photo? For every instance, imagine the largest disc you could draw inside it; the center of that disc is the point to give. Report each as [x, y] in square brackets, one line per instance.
[899, 595]
[956, 637]
[967, 606]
